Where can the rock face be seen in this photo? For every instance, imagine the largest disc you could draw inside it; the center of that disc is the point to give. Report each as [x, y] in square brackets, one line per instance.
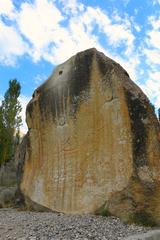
[93, 142]
[8, 184]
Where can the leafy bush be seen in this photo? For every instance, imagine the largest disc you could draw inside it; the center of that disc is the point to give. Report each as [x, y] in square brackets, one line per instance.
[103, 211]
[143, 218]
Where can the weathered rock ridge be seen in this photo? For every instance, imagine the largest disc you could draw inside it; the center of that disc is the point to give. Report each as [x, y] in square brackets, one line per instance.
[93, 142]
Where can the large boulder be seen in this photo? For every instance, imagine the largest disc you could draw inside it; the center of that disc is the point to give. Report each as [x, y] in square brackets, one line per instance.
[93, 142]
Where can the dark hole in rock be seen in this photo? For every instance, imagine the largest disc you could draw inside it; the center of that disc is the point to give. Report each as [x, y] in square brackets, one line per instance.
[60, 72]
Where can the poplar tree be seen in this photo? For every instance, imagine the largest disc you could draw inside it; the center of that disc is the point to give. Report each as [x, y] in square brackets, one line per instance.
[10, 121]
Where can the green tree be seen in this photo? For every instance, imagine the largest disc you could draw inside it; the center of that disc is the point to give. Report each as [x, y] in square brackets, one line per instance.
[10, 121]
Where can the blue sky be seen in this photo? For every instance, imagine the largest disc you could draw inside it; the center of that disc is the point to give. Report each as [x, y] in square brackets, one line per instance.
[36, 35]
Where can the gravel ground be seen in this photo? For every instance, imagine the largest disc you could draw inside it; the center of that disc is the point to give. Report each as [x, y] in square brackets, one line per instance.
[22, 225]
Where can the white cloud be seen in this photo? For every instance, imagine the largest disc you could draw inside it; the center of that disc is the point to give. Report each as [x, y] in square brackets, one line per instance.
[137, 27]
[153, 35]
[51, 41]
[39, 22]
[152, 87]
[11, 44]
[154, 38]
[1, 98]
[116, 33]
[126, 2]
[72, 6]
[39, 78]
[151, 51]
[7, 8]
[130, 65]
[156, 2]
[153, 56]
[55, 43]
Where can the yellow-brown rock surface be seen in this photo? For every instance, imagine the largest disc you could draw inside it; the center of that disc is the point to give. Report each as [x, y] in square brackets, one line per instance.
[92, 141]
